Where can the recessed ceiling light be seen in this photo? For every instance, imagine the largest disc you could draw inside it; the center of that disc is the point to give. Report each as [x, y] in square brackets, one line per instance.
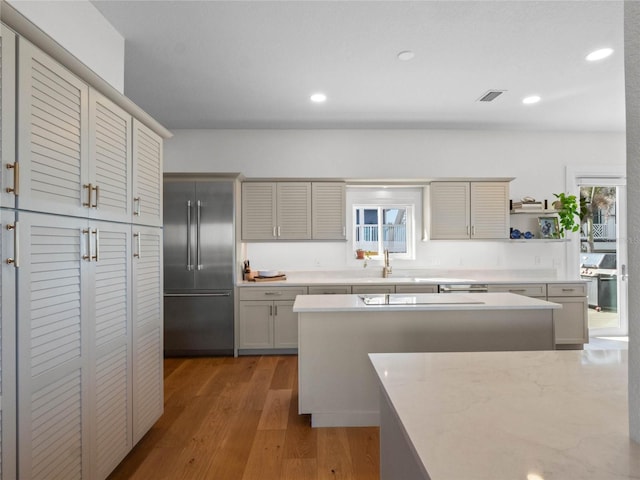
[599, 54]
[531, 99]
[318, 98]
[406, 55]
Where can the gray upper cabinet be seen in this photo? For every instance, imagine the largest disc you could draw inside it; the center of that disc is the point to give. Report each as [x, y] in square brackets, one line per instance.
[328, 211]
[147, 176]
[7, 117]
[110, 165]
[276, 210]
[469, 210]
[52, 136]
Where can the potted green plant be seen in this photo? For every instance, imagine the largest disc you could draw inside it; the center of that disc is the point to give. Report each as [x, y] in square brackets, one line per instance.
[569, 213]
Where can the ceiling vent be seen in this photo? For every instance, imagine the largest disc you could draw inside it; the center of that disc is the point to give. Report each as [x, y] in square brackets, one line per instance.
[491, 95]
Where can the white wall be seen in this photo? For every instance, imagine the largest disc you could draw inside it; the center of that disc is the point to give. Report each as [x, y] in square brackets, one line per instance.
[80, 28]
[538, 162]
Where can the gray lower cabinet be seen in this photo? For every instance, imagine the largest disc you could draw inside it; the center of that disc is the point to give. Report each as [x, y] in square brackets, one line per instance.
[373, 289]
[535, 290]
[416, 288]
[330, 290]
[570, 322]
[266, 318]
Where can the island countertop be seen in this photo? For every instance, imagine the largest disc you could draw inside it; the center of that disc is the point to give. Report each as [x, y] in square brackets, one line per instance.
[419, 302]
[505, 415]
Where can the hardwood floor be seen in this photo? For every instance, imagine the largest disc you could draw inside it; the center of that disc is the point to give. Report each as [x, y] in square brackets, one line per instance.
[236, 419]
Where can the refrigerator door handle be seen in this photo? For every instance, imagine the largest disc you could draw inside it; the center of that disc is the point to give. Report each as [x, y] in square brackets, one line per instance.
[189, 266]
[223, 294]
[198, 262]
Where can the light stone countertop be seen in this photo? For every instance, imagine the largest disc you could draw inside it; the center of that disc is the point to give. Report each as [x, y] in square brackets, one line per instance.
[420, 302]
[552, 415]
[373, 275]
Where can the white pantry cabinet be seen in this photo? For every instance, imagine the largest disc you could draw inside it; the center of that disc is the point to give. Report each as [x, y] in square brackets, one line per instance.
[276, 210]
[8, 411]
[81, 325]
[53, 136]
[469, 210]
[147, 176]
[74, 346]
[147, 303]
[7, 117]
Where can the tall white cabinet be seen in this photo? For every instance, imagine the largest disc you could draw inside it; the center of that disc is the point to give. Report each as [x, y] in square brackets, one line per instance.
[81, 273]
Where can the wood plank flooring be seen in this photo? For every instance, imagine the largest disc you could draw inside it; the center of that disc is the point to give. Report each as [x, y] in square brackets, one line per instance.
[236, 419]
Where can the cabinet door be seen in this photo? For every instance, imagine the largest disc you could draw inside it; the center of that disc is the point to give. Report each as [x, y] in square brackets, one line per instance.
[52, 136]
[109, 160]
[285, 325]
[328, 211]
[294, 210]
[259, 211]
[450, 210]
[147, 176]
[570, 322]
[489, 210]
[53, 300]
[7, 116]
[7, 348]
[147, 306]
[110, 323]
[256, 324]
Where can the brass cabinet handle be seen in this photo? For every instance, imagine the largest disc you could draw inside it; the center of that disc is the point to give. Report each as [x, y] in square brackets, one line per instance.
[15, 261]
[96, 257]
[88, 187]
[87, 232]
[16, 178]
[96, 189]
[138, 253]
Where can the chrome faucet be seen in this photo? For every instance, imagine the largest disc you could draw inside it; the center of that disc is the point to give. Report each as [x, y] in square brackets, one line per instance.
[386, 270]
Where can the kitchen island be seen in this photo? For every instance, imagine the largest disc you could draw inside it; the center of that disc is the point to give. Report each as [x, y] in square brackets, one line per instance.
[337, 385]
[505, 415]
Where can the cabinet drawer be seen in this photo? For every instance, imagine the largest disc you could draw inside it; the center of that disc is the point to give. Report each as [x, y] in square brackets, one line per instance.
[526, 289]
[416, 288]
[277, 293]
[567, 290]
[373, 289]
[329, 290]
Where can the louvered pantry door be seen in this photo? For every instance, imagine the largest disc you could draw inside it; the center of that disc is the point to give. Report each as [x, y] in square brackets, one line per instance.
[147, 329]
[7, 349]
[489, 210]
[110, 155]
[52, 136]
[111, 353]
[147, 176]
[53, 426]
[294, 210]
[449, 208]
[7, 116]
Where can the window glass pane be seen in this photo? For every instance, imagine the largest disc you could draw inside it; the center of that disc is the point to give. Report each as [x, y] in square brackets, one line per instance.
[394, 230]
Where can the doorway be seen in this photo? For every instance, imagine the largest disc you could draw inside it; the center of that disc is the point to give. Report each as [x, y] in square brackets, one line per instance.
[603, 253]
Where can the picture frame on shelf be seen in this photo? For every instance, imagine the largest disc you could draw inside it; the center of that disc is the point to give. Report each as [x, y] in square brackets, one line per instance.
[549, 227]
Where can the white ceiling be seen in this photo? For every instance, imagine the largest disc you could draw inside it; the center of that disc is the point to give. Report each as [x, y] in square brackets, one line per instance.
[254, 64]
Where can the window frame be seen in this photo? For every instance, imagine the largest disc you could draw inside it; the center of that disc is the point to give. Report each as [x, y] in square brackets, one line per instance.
[409, 198]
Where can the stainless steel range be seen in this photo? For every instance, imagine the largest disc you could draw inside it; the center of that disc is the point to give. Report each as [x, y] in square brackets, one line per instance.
[599, 269]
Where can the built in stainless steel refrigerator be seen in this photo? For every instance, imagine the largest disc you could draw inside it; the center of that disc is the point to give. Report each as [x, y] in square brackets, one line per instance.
[199, 263]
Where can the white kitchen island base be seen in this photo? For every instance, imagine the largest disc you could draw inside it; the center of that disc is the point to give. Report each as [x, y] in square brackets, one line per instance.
[337, 384]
